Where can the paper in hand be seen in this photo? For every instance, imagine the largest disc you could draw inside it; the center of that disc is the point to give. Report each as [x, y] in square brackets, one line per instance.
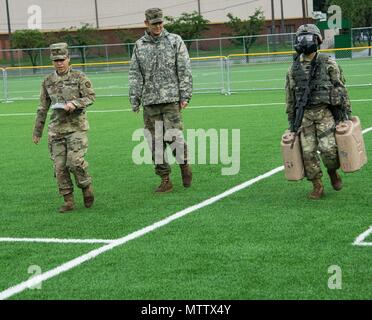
[58, 106]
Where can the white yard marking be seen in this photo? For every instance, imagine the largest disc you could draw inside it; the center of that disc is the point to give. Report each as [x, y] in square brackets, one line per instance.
[137, 234]
[191, 107]
[367, 130]
[17, 114]
[54, 240]
[359, 241]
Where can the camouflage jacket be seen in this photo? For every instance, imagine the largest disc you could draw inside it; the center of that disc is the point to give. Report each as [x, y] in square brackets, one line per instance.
[160, 70]
[327, 89]
[72, 86]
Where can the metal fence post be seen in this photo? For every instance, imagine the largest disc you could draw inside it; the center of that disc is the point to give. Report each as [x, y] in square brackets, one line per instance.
[222, 65]
[2, 73]
[292, 41]
[5, 85]
[228, 78]
[19, 54]
[129, 55]
[84, 55]
[41, 57]
[107, 59]
[84, 60]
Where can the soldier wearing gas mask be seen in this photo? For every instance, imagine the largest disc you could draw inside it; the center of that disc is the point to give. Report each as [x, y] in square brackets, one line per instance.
[315, 83]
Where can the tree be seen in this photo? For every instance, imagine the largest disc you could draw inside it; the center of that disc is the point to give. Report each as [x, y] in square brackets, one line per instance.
[81, 37]
[29, 39]
[126, 37]
[189, 26]
[52, 37]
[320, 5]
[359, 12]
[247, 29]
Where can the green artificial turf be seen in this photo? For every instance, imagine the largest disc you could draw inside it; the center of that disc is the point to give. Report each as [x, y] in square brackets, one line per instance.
[267, 241]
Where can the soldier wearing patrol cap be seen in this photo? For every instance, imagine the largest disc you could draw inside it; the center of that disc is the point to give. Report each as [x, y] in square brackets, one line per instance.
[160, 80]
[68, 93]
[321, 75]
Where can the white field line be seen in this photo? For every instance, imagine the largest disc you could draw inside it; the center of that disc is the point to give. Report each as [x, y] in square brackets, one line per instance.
[94, 253]
[367, 130]
[191, 107]
[196, 77]
[54, 240]
[17, 114]
[359, 241]
[95, 88]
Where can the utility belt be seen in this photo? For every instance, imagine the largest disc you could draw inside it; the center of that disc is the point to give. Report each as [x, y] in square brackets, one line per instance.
[317, 107]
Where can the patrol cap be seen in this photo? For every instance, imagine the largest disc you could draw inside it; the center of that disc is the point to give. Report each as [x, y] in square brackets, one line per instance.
[154, 15]
[58, 51]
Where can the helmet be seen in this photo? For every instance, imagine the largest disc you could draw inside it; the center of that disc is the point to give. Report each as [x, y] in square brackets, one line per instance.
[310, 28]
[308, 39]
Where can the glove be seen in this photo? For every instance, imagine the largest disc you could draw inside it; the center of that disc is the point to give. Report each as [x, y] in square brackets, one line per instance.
[136, 109]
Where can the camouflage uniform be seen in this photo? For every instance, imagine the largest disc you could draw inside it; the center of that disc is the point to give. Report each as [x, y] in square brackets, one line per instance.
[67, 131]
[159, 79]
[318, 124]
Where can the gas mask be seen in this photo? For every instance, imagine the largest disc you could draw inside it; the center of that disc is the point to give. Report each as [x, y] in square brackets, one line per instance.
[306, 43]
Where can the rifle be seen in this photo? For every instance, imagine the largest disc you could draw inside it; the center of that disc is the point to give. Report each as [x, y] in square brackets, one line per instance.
[302, 101]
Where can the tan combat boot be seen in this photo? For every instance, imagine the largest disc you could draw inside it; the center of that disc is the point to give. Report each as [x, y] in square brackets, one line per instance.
[336, 181]
[186, 174]
[165, 185]
[318, 189]
[88, 196]
[69, 203]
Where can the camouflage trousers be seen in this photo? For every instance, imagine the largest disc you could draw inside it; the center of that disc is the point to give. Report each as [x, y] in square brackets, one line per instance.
[164, 125]
[67, 153]
[317, 134]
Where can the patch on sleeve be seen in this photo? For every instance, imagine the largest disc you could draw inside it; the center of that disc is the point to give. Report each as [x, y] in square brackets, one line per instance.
[88, 84]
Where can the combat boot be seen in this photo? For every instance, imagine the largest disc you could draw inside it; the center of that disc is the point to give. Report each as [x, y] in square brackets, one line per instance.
[165, 185]
[318, 189]
[186, 174]
[336, 181]
[69, 203]
[88, 196]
